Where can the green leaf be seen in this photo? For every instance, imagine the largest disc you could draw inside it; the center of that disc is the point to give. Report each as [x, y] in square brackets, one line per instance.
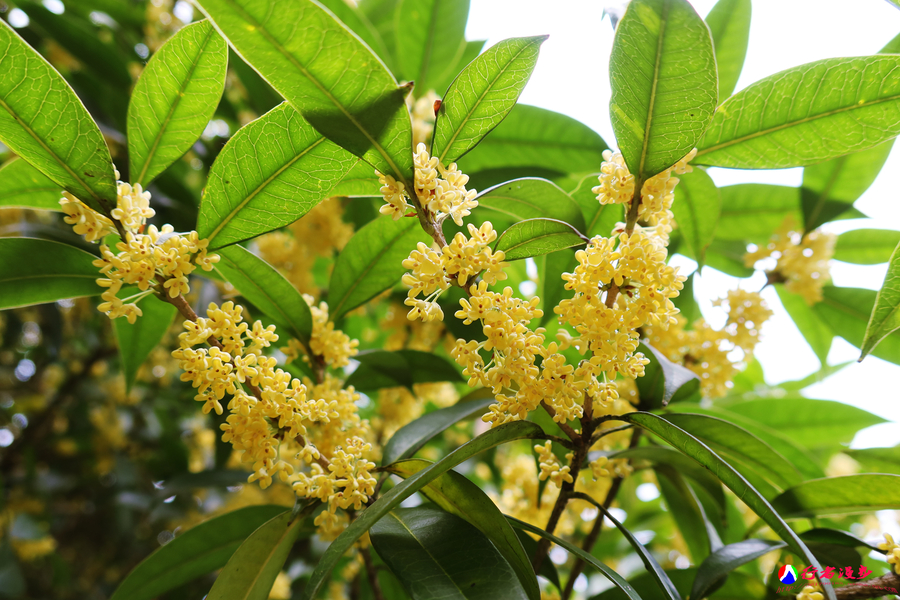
[738, 587]
[332, 78]
[174, 99]
[835, 537]
[268, 175]
[663, 75]
[462, 498]
[268, 290]
[411, 437]
[200, 550]
[664, 381]
[392, 499]
[686, 302]
[696, 207]
[44, 122]
[847, 311]
[384, 369]
[717, 566]
[137, 341]
[824, 423]
[830, 188]
[551, 284]
[698, 532]
[752, 211]
[845, 495]
[536, 237]
[252, 569]
[786, 120]
[877, 460]
[729, 25]
[866, 246]
[611, 575]
[23, 186]
[816, 333]
[694, 448]
[665, 457]
[53, 271]
[360, 180]
[728, 256]
[530, 198]
[436, 554]
[359, 24]
[548, 569]
[531, 138]
[371, 262]
[482, 95]
[732, 441]
[650, 563]
[430, 39]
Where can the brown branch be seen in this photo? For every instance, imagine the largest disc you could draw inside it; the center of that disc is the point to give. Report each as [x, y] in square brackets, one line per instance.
[874, 588]
[573, 435]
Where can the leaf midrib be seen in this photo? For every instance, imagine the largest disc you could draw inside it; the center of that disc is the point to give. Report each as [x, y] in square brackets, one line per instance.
[265, 33]
[645, 145]
[275, 547]
[789, 124]
[430, 555]
[477, 103]
[823, 195]
[542, 236]
[100, 201]
[162, 126]
[228, 218]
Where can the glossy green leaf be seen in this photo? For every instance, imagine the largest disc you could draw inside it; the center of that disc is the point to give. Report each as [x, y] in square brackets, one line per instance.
[551, 285]
[530, 198]
[331, 77]
[571, 548]
[824, 423]
[397, 494]
[807, 114]
[358, 23]
[885, 318]
[252, 569]
[407, 440]
[664, 381]
[548, 569]
[462, 498]
[371, 262]
[53, 271]
[848, 312]
[384, 369]
[694, 448]
[850, 494]
[729, 25]
[23, 186]
[696, 208]
[718, 565]
[866, 246]
[738, 587]
[650, 563]
[137, 341]
[532, 138]
[816, 333]
[436, 554]
[430, 39]
[877, 460]
[600, 219]
[687, 511]
[536, 237]
[268, 290]
[835, 537]
[752, 211]
[731, 441]
[44, 122]
[663, 75]
[198, 551]
[174, 99]
[360, 180]
[482, 95]
[830, 188]
[268, 175]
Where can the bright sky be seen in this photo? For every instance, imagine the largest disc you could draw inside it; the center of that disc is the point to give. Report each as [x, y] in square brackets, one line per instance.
[572, 77]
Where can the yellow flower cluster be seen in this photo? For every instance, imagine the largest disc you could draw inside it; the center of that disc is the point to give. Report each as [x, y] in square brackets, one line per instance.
[657, 193]
[422, 113]
[617, 290]
[440, 197]
[462, 260]
[705, 350]
[802, 260]
[550, 465]
[811, 592]
[333, 345]
[892, 552]
[294, 251]
[159, 257]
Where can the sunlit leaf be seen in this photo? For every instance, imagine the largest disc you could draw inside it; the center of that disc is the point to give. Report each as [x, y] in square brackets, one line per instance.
[430, 39]
[23, 186]
[885, 318]
[866, 246]
[174, 99]
[848, 494]
[729, 24]
[53, 271]
[535, 237]
[816, 333]
[696, 208]
[848, 312]
[530, 198]
[663, 75]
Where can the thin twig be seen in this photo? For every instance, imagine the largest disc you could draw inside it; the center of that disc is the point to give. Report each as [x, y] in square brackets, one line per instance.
[371, 573]
[573, 435]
